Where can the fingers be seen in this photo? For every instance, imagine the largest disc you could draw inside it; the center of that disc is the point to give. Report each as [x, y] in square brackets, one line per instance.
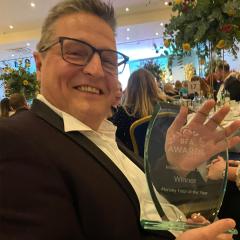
[214, 231]
[225, 144]
[218, 227]
[229, 130]
[202, 114]
[198, 218]
[217, 118]
[219, 158]
[224, 133]
[180, 120]
[233, 141]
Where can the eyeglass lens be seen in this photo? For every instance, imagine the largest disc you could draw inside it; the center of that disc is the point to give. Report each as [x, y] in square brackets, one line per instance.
[80, 53]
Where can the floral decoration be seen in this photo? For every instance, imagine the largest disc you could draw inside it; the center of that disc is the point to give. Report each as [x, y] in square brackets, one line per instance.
[20, 80]
[154, 68]
[208, 25]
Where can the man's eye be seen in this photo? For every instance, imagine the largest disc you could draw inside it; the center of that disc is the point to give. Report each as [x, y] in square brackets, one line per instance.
[76, 53]
[107, 61]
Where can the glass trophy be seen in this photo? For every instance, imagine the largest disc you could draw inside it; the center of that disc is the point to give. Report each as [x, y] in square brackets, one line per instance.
[178, 161]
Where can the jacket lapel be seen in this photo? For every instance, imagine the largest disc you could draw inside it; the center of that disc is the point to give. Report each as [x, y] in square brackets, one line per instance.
[45, 113]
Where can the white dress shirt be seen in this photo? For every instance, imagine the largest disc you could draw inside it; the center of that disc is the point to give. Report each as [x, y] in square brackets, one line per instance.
[104, 138]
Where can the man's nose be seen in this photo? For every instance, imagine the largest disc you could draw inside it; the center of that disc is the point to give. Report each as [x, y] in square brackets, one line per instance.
[94, 66]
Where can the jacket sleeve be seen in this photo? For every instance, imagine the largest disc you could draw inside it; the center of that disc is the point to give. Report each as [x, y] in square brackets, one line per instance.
[34, 201]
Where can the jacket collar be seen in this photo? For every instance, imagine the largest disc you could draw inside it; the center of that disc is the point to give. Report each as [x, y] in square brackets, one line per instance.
[49, 116]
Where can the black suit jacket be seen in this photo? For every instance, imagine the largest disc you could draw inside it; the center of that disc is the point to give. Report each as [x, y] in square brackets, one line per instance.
[56, 185]
[20, 110]
[232, 84]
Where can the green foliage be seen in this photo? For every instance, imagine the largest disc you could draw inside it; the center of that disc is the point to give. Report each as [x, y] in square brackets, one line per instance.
[154, 68]
[203, 23]
[20, 81]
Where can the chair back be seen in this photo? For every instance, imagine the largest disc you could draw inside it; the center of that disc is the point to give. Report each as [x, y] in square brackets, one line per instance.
[138, 130]
[137, 134]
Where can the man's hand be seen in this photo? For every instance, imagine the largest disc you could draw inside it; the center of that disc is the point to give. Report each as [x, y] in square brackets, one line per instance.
[214, 231]
[189, 145]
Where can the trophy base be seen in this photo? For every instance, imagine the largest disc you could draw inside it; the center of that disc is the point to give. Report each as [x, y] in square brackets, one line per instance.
[175, 226]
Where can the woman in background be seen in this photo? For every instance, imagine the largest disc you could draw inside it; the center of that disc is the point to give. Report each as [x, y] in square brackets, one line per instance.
[178, 86]
[184, 90]
[170, 91]
[140, 97]
[204, 87]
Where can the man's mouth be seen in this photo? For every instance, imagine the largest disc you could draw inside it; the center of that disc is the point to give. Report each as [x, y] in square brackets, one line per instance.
[89, 89]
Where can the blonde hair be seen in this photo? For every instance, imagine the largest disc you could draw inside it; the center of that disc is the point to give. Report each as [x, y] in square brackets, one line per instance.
[141, 94]
[168, 87]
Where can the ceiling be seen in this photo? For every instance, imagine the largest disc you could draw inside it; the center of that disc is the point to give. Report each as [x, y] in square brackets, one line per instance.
[141, 22]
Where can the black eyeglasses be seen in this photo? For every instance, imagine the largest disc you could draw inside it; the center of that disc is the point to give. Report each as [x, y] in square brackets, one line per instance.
[78, 52]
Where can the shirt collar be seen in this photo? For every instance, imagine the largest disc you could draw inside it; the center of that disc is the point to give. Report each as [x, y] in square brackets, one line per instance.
[73, 124]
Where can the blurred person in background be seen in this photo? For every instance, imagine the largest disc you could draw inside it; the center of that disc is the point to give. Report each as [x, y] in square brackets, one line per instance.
[184, 90]
[18, 103]
[178, 86]
[232, 85]
[170, 91]
[6, 110]
[72, 181]
[141, 95]
[215, 80]
[204, 88]
[119, 94]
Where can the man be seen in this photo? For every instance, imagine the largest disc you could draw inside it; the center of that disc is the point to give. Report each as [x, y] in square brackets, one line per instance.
[18, 103]
[222, 71]
[73, 182]
[232, 85]
[216, 79]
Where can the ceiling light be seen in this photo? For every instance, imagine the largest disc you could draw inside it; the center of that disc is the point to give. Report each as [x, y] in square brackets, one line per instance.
[128, 38]
[156, 33]
[11, 26]
[161, 24]
[28, 44]
[128, 29]
[127, 9]
[166, 3]
[33, 5]
[12, 55]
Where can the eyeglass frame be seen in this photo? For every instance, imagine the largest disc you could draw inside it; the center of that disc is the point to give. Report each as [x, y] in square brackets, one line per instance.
[94, 49]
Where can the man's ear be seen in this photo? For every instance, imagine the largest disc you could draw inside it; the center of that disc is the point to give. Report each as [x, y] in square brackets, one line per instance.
[38, 61]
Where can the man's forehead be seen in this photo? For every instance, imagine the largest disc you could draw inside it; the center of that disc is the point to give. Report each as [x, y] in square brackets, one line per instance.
[88, 27]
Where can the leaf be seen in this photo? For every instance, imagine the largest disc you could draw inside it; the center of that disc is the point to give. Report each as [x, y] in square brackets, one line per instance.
[202, 5]
[215, 15]
[202, 29]
[202, 24]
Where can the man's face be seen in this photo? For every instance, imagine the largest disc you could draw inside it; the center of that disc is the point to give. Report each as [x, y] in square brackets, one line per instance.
[220, 74]
[85, 92]
[118, 95]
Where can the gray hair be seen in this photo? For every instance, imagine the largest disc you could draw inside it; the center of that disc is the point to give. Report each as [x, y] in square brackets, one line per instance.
[68, 7]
